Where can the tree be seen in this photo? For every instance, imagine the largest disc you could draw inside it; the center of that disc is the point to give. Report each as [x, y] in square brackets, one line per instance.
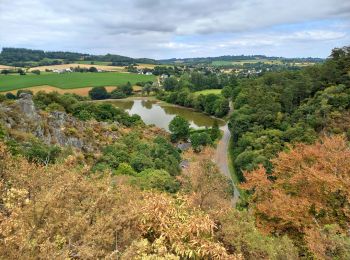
[308, 189]
[126, 89]
[117, 94]
[97, 93]
[215, 131]
[179, 128]
[198, 140]
[170, 84]
[227, 92]
[93, 69]
[147, 88]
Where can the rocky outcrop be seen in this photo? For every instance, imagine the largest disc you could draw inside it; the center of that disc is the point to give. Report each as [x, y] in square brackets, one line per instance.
[56, 127]
[27, 107]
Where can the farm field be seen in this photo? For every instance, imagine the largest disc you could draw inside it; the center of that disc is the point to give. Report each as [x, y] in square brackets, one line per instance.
[6, 67]
[70, 80]
[74, 65]
[208, 91]
[266, 61]
[78, 91]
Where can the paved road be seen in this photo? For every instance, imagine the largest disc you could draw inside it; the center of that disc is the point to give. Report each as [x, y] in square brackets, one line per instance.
[221, 159]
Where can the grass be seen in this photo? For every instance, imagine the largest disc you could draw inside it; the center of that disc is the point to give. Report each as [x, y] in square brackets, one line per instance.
[208, 91]
[223, 63]
[70, 80]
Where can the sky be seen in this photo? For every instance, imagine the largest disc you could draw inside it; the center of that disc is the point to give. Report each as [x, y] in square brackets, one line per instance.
[177, 28]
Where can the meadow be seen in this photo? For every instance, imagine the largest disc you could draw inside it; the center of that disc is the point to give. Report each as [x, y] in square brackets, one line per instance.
[208, 91]
[70, 80]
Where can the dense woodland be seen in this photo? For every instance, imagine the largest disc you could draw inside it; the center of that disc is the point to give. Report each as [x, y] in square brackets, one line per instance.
[21, 57]
[279, 109]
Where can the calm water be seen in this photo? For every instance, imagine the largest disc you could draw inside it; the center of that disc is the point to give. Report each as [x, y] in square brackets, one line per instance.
[159, 114]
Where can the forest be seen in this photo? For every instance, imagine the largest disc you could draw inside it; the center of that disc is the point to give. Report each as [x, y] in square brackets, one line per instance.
[21, 57]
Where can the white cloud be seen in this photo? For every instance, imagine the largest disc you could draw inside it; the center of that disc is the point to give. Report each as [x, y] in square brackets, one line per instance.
[152, 27]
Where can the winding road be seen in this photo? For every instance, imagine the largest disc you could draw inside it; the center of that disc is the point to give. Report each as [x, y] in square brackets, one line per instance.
[221, 158]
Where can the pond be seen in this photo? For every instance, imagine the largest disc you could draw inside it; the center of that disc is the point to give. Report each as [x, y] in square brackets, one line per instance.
[160, 113]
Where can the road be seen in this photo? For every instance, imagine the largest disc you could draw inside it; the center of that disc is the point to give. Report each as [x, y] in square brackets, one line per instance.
[221, 158]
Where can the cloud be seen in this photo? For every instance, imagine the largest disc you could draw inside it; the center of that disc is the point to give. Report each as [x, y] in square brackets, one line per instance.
[153, 27]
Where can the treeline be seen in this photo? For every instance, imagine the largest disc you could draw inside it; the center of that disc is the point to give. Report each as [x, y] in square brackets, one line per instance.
[199, 80]
[180, 91]
[22, 57]
[233, 58]
[211, 104]
[278, 109]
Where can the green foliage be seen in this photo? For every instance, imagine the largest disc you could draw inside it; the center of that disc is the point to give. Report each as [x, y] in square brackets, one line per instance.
[125, 169]
[26, 91]
[35, 151]
[198, 140]
[36, 72]
[215, 131]
[170, 84]
[126, 89]
[179, 128]
[161, 180]
[117, 94]
[2, 132]
[139, 155]
[2, 98]
[97, 93]
[227, 91]
[103, 112]
[41, 153]
[9, 95]
[287, 107]
[66, 101]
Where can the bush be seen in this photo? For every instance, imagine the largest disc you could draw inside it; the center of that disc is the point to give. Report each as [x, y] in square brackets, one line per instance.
[37, 72]
[41, 153]
[156, 179]
[98, 93]
[117, 94]
[9, 95]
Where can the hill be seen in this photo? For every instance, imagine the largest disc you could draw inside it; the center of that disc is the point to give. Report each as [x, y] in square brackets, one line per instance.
[21, 57]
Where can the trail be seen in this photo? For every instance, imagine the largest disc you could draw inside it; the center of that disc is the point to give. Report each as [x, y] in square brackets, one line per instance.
[221, 158]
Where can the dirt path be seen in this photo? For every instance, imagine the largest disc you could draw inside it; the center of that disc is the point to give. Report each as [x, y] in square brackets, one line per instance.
[221, 158]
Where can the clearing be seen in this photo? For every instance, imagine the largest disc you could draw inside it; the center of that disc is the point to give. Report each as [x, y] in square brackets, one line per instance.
[208, 91]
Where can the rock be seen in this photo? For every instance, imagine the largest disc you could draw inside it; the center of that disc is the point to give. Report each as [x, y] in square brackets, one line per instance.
[26, 105]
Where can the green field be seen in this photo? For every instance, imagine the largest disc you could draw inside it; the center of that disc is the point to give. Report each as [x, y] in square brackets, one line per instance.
[70, 80]
[208, 91]
[266, 61]
[104, 63]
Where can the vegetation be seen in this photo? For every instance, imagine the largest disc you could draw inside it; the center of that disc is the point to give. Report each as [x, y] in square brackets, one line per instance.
[123, 195]
[179, 128]
[21, 57]
[308, 198]
[278, 109]
[62, 210]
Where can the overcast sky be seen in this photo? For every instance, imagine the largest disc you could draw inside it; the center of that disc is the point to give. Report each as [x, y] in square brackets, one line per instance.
[177, 28]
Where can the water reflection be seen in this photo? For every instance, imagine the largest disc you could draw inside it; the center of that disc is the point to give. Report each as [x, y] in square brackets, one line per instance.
[160, 114]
